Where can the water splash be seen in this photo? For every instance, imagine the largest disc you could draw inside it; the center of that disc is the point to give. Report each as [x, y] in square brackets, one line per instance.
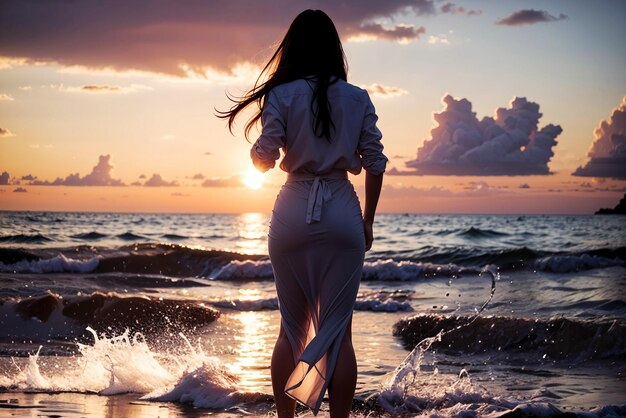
[111, 365]
[400, 392]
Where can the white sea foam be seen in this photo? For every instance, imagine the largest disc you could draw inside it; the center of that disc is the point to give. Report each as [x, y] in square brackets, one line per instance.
[57, 264]
[407, 270]
[208, 386]
[119, 364]
[377, 305]
[247, 269]
[391, 270]
[372, 270]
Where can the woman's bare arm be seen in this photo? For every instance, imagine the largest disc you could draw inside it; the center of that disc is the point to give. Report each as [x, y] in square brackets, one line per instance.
[373, 185]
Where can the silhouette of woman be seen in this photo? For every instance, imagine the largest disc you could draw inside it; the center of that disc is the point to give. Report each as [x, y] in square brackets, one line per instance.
[318, 236]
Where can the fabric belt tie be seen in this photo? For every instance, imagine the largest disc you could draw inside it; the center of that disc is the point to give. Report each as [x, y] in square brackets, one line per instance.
[320, 191]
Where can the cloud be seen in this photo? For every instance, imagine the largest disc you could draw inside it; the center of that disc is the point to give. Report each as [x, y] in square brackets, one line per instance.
[607, 156]
[165, 38]
[529, 17]
[12, 62]
[100, 176]
[198, 176]
[104, 89]
[473, 189]
[439, 39]
[29, 177]
[25, 88]
[6, 97]
[509, 144]
[157, 181]
[20, 190]
[524, 186]
[401, 33]
[232, 181]
[454, 9]
[380, 90]
[5, 133]
[4, 178]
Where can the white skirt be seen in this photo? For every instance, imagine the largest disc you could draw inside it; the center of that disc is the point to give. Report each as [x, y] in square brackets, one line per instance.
[317, 247]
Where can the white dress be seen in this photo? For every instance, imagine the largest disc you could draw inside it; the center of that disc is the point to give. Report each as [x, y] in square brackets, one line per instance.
[316, 240]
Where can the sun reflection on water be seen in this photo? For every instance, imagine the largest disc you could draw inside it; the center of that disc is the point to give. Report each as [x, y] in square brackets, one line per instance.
[253, 351]
[252, 232]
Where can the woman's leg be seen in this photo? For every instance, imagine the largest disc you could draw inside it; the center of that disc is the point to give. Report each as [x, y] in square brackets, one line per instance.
[343, 383]
[282, 367]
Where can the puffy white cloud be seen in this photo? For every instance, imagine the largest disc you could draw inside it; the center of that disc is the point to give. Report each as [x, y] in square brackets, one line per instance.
[100, 176]
[157, 181]
[508, 144]
[6, 97]
[380, 90]
[529, 17]
[607, 156]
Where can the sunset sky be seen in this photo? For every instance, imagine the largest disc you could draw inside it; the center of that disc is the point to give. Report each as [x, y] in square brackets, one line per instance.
[109, 106]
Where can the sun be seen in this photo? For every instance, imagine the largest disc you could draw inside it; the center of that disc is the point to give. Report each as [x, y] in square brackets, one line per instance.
[253, 179]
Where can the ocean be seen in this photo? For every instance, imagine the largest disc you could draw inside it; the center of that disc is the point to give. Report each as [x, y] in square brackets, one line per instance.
[116, 314]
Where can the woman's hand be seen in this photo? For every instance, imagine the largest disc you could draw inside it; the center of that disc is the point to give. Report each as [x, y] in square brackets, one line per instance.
[373, 184]
[261, 165]
[368, 228]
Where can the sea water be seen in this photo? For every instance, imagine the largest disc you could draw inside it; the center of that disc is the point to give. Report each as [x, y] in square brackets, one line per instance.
[457, 315]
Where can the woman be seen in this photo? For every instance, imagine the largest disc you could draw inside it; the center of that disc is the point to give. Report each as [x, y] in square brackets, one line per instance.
[317, 237]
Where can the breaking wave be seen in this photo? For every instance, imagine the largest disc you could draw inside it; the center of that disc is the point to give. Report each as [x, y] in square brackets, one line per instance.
[536, 340]
[55, 316]
[180, 261]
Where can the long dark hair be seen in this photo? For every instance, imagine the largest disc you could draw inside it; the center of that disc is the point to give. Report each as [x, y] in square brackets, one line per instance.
[310, 49]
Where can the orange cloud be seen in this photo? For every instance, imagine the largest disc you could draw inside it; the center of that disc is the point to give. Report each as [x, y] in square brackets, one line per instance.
[100, 176]
[5, 133]
[157, 181]
[104, 89]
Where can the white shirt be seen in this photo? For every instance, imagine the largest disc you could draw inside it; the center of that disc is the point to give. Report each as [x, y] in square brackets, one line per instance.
[288, 121]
